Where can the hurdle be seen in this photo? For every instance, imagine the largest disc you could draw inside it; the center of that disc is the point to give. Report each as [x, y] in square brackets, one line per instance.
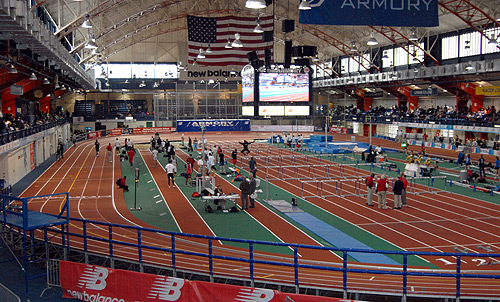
[337, 188]
[430, 185]
[307, 172]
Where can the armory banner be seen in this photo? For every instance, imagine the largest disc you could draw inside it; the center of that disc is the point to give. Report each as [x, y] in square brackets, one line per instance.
[213, 125]
[419, 13]
[92, 283]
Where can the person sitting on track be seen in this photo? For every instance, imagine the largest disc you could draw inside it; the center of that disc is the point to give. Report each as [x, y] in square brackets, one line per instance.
[121, 183]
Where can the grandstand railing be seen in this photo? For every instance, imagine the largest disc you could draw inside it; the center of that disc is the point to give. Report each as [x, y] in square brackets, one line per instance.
[11, 136]
[171, 247]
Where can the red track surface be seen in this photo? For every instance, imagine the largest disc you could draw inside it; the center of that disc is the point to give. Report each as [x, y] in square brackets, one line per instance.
[432, 222]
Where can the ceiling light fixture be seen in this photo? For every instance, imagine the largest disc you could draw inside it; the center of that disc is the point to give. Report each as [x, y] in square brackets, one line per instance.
[142, 84]
[46, 81]
[493, 40]
[194, 62]
[57, 86]
[255, 4]
[353, 47]
[228, 44]
[33, 77]
[237, 42]
[87, 23]
[209, 50]
[372, 41]
[258, 29]
[385, 56]
[91, 42]
[201, 55]
[469, 66]
[315, 59]
[413, 35]
[156, 85]
[12, 69]
[304, 5]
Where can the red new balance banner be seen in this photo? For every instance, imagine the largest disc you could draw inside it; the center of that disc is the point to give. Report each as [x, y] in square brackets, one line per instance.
[92, 283]
[339, 130]
[116, 131]
[152, 130]
[94, 134]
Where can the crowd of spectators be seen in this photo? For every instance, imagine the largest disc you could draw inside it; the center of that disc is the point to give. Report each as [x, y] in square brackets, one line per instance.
[10, 123]
[439, 113]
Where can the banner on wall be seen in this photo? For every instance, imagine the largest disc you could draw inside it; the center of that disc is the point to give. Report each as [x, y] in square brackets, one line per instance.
[95, 283]
[213, 125]
[340, 130]
[116, 131]
[152, 130]
[372, 12]
[94, 134]
[32, 156]
[488, 90]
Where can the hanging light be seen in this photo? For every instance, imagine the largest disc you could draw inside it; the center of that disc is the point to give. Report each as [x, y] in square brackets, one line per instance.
[87, 23]
[211, 81]
[255, 4]
[353, 47]
[194, 62]
[493, 40]
[57, 86]
[209, 50]
[12, 69]
[258, 29]
[237, 42]
[413, 35]
[304, 5]
[228, 44]
[201, 55]
[372, 41]
[96, 51]
[46, 81]
[415, 70]
[156, 85]
[316, 59]
[385, 56]
[91, 42]
[33, 77]
[142, 84]
[232, 72]
[469, 66]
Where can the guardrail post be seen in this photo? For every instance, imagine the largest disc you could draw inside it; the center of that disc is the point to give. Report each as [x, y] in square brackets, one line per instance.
[174, 269]
[344, 274]
[296, 269]
[85, 251]
[458, 278]
[111, 258]
[405, 276]
[250, 251]
[139, 246]
[210, 261]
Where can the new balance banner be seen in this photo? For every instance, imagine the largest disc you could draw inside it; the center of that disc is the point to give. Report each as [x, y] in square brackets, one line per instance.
[213, 125]
[419, 13]
[92, 283]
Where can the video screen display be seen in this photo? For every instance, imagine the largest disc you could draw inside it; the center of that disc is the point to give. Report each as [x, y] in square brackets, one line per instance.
[283, 87]
[271, 110]
[297, 110]
[248, 84]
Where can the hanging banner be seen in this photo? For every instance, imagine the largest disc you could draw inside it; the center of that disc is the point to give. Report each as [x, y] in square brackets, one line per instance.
[95, 283]
[419, 13]
[213, 125]
[488, 90]
[423, 92]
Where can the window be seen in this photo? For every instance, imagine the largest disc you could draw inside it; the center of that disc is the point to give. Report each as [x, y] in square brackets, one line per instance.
[344, 65]
[491, 33]
[447, 133]
[449, 47]
[390, 58]
[393, 130]
[400, 57]
[470, 44]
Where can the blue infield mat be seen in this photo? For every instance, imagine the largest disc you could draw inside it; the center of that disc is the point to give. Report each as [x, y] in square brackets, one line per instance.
[339, 239]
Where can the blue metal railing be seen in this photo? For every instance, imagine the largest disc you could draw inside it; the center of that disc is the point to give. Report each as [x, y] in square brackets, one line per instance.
[113, 244]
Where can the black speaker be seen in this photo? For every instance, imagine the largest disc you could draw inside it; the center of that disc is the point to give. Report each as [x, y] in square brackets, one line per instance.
[257, 63]
[303, 62]
[288, 54]
[267, 36]
[287, 26]
[267, 57]
[252, 56]
[308, 51]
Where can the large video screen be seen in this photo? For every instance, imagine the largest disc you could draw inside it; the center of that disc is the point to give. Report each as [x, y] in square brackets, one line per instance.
[247, 110]
[283, 87]
[248, 84]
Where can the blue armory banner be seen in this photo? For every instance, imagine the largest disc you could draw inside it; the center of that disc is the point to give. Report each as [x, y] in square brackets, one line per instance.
[213, 125]
[418, 13]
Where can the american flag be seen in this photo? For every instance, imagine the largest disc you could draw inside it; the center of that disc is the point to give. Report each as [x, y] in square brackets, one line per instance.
[215, 31]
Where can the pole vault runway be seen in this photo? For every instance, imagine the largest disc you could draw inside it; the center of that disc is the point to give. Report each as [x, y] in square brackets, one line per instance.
[431, 222]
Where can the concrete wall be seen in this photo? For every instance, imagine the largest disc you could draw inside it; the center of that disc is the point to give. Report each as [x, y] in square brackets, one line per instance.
[30, 152]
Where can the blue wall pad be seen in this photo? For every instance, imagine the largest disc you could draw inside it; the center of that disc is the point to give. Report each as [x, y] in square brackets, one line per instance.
[339, 239]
